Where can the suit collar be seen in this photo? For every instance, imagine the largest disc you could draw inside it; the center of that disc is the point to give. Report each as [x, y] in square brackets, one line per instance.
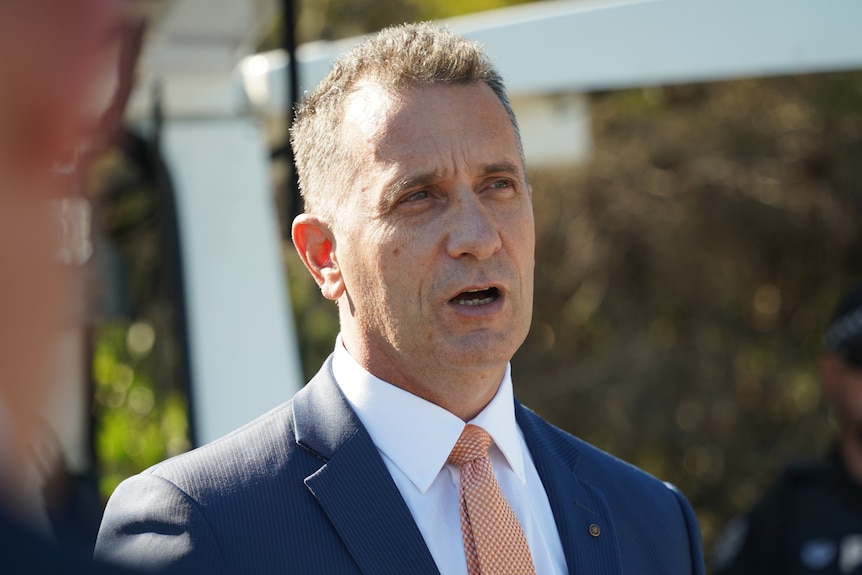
[416, 435]
[356, 492]
[578, 507]
[323, 420]
[353, 486]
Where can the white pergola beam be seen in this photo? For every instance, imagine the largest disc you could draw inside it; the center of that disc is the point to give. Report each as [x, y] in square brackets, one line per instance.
[577, 46]
[581, 46]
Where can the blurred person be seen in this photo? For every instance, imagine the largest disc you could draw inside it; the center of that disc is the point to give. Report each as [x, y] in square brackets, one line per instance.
[810, 521]
[49, 64]
[418, 222]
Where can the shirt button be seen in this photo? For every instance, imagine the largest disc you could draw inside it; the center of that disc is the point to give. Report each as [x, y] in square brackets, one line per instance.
[595, 530]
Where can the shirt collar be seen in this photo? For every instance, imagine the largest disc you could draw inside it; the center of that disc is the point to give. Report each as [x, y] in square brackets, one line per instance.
[417, 435]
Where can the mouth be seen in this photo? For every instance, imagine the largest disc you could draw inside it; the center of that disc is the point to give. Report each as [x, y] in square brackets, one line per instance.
[476, 297]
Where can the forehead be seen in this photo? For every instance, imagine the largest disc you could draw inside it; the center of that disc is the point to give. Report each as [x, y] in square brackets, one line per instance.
[431, 127]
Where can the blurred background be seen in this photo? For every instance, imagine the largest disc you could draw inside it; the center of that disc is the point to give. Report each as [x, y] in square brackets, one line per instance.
[697, 174]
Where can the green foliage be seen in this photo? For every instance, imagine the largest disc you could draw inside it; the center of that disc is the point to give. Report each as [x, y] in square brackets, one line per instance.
[139, 408]
[136, 425]
[438, 9]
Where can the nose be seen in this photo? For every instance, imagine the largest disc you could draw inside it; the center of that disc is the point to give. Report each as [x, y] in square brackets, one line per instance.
[473, 230]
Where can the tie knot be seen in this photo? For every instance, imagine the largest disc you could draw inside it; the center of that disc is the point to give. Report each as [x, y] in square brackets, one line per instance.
[473, 444]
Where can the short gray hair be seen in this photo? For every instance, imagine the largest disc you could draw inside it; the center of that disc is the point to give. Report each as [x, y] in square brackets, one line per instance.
[396, 59]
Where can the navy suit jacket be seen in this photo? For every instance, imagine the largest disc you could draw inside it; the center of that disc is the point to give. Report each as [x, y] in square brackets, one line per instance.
[303, 489]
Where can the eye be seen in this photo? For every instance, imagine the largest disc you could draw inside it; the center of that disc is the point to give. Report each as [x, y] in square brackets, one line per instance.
[500, 187]
[416, 196]
[413, 201]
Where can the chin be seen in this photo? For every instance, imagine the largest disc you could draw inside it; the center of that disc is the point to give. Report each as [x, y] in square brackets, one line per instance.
[480, 352]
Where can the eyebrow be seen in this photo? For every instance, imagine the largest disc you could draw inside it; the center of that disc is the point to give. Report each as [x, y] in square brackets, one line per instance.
[394, 189]
[508, 168]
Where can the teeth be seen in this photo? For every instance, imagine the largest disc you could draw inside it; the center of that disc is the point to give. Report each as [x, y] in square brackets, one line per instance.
[472, 302]
[476, 301]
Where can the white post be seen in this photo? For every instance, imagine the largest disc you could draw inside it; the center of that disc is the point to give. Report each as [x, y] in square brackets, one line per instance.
[243, 351]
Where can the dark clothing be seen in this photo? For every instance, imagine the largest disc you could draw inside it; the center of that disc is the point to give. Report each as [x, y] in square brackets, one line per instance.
[809, 522]
[24, 552]
[303, 489]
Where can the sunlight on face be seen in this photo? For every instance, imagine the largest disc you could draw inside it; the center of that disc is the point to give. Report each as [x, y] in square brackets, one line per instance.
[436, 239]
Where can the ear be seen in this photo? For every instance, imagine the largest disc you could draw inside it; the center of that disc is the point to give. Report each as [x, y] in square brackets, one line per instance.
[315, 243]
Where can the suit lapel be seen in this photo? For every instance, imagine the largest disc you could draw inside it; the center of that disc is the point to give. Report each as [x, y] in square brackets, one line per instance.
[353, 486]
[582, 515]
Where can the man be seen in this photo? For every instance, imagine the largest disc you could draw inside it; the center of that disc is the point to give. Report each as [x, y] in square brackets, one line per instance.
[419, 224]
[810, 521]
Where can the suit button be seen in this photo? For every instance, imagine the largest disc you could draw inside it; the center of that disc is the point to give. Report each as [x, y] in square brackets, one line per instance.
[595, 530]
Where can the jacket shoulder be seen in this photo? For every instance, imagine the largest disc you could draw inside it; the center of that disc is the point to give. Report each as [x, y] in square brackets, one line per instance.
[592, 463]
[249, 454]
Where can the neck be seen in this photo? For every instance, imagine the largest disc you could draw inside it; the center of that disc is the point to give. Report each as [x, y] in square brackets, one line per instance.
[463, 392]
[464, 399]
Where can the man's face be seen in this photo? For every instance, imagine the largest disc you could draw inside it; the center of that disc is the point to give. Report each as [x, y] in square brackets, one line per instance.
[435, 243]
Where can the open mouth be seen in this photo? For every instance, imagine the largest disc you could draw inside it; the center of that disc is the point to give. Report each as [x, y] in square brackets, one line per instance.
[476, 297]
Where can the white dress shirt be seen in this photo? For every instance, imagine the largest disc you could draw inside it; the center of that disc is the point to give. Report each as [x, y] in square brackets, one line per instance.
[414, 438]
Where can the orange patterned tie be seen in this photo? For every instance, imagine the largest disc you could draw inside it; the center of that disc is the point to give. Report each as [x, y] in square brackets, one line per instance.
[493, 539]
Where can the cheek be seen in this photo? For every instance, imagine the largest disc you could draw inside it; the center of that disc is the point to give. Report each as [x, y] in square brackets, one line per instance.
[402, 267]
[391, 268]
[521, 235]
[378, 268]
[398, 252]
